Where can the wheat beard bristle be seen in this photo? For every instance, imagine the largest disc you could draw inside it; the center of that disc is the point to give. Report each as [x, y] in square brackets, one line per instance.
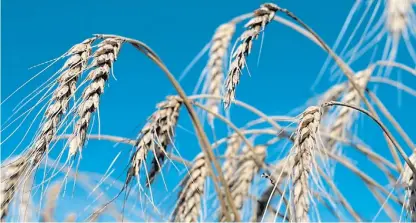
[397, 16]
[254, 27]
[103, 60]
[217, 56]
[306, 144]
[344, 116]
[243, 176]
[156, 136]
[188, 206]
[408, 180]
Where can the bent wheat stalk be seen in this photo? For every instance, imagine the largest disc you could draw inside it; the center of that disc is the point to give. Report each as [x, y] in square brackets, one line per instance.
[305, 147]
[254, 27]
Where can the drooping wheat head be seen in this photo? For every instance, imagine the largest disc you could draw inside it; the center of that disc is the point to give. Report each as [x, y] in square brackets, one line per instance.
[344, 117]
[254, 27]
[408, 180]
[305, 147]
[188, 206]
[156, 136]
[103, 60]
[217, 57]
[72, 69]
[243, 176]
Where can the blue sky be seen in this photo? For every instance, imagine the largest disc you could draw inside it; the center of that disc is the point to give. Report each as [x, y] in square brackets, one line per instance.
[37, 31]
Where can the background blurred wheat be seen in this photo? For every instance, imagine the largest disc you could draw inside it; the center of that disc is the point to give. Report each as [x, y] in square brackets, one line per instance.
[275, 167]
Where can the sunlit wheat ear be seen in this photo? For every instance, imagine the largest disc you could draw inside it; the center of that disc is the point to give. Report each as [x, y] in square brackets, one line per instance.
[231, 157]
[332, 94]
[408, 180]
[11, 177]
[344, 117]
[243, 177]
[217, 57]
[71, 70]
[103, 60]
[305, 147]
[156, 136]
[188, 206]
[254, 27]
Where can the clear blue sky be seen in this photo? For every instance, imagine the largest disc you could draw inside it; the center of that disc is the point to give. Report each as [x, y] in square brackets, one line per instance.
[37, 31]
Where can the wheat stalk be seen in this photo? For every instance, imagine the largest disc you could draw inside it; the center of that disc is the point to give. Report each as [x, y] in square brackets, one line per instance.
[188, 205]
[305, 147]
[243, 176]
[217, 56]
[254, 27]
[344, 117]
[156, 135]
[103, 60]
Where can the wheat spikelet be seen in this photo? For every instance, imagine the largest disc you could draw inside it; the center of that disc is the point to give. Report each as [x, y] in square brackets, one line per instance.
[408, 179]
[254, 27]
[156, 135]
[344, 117]
[246, 170]
[305, 147]
[398, 16]
[11, 175]
[217, 56]
[103, 60]
[189, 203]
[71, 70]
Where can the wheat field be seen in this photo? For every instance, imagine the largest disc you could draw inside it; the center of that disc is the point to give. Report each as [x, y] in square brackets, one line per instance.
[234, 134]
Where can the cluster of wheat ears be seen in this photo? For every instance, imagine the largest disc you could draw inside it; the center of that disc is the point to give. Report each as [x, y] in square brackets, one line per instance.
[244, 183]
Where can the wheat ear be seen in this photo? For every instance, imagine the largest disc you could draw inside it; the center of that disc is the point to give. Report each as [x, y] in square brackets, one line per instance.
[103, 60]
[156, 136]
[254, 27]
[344, 117]
[408, 179]
[188, 206]
[11, 173]
[397, 16]
[217, 56]
[246, 170]
[231, 161]
[305, 146]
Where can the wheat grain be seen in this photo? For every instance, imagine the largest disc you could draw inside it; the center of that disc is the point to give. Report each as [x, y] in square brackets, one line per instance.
[408, 179]
[344, 117]
[104, 57]
[305, 147]
[156, 135]
[254, 27]
[243, 176]
[217, 56]
[189, 202]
